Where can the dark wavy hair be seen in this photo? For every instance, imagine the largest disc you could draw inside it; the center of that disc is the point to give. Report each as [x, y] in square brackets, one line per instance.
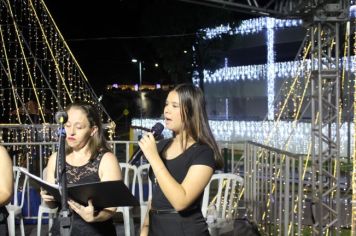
[194, 118]
[97, 143]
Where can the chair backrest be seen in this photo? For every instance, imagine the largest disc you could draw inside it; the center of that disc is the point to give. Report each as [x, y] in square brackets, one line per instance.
[144, 183]
[129, 174]
[221, 194]
[19, 185]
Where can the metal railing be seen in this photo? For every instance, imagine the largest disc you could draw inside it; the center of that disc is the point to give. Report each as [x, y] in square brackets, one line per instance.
[278, 191]
[274, 181]
[34, 156]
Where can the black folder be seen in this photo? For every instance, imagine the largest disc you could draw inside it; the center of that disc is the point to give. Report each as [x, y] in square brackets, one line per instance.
[103, 194]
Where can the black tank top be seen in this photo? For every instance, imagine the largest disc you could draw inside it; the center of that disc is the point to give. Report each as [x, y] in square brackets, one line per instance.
[86, 173]
[79, 175]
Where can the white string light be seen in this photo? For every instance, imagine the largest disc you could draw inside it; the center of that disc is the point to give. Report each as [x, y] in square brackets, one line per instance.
[251, 26]
[226, 74]
[283, 70]
[257, 131]
[270, 68]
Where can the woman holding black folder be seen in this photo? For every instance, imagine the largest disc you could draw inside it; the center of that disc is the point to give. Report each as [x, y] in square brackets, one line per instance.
[88, 159]
[183, 167]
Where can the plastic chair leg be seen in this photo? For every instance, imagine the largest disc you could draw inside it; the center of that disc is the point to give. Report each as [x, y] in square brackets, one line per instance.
[22, 227]
[128, 222]
[11, 224]
[143, 213]
[39, 221]
[50, 222]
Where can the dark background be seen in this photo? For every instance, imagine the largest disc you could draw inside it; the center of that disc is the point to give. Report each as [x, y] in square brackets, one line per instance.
[104, 36]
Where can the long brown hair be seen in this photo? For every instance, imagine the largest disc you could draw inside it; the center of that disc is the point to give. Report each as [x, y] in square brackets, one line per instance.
[194, 118]
[97, 142]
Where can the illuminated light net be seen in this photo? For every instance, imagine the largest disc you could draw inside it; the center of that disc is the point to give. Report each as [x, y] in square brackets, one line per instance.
[39, 75]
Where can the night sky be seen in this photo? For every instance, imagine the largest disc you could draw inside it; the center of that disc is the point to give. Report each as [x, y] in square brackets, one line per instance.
[105, 35]
[95, 32]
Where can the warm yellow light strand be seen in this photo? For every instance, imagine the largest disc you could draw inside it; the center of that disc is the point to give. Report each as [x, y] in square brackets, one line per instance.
[298, 110]
[288, 140]
[280, 114]
[303, 176]
[25, 59]
[345, 58]
[9, 76]
[63, 40]
[59, 72]
[309, 146]
[289, 93]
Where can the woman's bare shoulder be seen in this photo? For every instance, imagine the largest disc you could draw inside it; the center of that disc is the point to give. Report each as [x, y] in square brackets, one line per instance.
[109, 156]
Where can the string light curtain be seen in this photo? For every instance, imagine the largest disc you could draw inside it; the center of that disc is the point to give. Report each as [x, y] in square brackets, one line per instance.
[39, 75]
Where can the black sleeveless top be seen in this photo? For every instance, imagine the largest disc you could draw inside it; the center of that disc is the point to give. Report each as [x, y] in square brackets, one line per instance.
[189, 222]
[84, 174]
[196, 154]
[78, 175]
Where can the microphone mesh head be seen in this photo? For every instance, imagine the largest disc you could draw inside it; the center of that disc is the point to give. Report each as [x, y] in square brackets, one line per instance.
[61, 117]
[157, 129]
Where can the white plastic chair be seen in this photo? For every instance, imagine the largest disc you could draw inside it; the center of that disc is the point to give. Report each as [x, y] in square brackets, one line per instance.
[15, 207]
[143, 178]
[220, 196]
[129, 173]
[44, 208]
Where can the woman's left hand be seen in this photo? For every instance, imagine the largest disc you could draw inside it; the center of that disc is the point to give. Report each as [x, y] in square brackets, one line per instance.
[86, 212]
[148, 146]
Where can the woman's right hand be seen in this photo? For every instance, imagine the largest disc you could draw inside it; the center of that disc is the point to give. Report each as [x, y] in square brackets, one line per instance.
[148, 146]
[46, 197]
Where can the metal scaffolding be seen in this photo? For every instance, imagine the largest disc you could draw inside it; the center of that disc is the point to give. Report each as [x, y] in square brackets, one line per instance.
[325, 127]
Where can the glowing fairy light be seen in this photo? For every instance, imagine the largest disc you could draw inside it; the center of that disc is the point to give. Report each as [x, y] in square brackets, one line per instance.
[250, 26]
[257, 131]
[270, 68]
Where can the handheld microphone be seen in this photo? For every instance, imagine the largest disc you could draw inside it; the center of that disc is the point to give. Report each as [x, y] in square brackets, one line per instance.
[61, 117]
[156, 130]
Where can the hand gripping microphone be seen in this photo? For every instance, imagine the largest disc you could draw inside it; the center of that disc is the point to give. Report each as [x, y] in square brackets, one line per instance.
[156, 130]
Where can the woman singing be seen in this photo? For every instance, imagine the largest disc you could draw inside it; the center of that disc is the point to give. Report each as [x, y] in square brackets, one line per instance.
[183, 168]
